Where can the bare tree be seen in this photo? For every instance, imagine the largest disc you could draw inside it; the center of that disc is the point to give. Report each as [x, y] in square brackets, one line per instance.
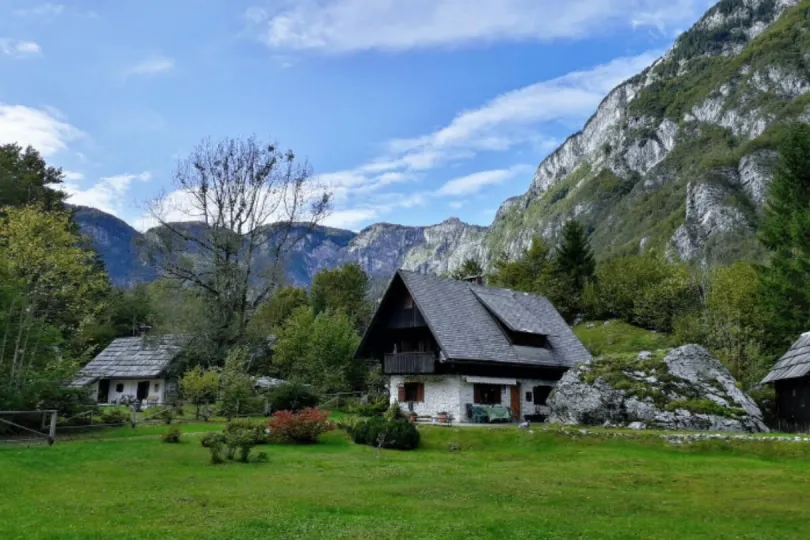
[248, 203]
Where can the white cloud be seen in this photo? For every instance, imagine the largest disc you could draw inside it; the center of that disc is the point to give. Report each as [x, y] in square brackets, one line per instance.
[343, 26]
[514, 119]
[109, 194]
[44, 129]
[349, 219]
[73, 176]
[473, 183]
[151, 66]
[456, 204]
[19, 48]
[44, 11]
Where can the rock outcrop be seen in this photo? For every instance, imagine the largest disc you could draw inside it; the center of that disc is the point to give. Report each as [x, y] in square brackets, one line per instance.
[684, 389]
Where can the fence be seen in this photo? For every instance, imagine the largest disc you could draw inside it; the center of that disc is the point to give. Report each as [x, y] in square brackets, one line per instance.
[22, 433]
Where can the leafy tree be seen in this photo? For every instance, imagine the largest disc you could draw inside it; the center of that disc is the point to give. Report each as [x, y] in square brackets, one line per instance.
[785, 233]
[235, 384]
[532, 272]
[126, 312]
[645, 290]
[200, 386]
[343, 289]
[271, 315]
[730, 324]
[319, 350]
[232, 189]
[26, 179]
[470, 267]
[59, 280]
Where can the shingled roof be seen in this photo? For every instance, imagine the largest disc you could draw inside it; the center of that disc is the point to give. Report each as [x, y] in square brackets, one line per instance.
[794, 364]
[464, 320]
[134, 357]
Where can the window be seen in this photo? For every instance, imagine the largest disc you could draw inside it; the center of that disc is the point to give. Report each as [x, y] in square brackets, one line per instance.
[157, 387]
[412, 392]
[119, 387]
[487, 394]
[541, 394]
[529, 397]
[408, 302]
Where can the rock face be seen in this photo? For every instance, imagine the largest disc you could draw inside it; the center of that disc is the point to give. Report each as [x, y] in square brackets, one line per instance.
[687, 389]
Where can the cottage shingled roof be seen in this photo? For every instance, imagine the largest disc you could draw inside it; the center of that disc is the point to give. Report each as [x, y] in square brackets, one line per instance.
[463, 318]
[795, 363]
[141, 357]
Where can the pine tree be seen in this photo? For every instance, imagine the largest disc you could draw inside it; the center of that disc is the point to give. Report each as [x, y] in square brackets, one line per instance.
[785, 233]
[574, 258]
[469, 268]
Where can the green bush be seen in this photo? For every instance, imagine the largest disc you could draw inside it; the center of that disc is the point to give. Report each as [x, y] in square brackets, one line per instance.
[258, 429]
[292, 397]
[394, 412]
[397, 434]
[115, 416]
[215, 442]
[374, 408]
[240, 440]
[172, 435]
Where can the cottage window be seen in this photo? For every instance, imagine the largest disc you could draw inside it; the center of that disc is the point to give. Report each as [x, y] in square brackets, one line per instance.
[119, 387]
[529, 397]
[412, 392]
[487, 394]
[157, 387]
[541, 394]
[408, 302]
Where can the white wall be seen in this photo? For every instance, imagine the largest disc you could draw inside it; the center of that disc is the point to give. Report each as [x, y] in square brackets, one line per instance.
[130, 388]
[450, 393]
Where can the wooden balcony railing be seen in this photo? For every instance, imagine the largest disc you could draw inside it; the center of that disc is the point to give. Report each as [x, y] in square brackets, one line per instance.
[406, 363]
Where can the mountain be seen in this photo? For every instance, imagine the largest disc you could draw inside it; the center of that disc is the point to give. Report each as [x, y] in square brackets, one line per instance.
[677, 159]
[380, 249]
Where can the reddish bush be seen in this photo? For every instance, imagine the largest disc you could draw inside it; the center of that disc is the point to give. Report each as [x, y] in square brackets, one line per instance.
[303, 427]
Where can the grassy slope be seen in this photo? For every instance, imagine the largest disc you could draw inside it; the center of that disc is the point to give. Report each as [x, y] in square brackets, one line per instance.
[503, 484]
[616, 337]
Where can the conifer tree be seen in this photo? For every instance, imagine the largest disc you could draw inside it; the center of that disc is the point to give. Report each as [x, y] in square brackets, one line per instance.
[785, 233]
[574, 258]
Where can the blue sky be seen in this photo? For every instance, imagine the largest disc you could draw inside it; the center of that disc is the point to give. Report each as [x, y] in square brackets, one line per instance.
[411, 110]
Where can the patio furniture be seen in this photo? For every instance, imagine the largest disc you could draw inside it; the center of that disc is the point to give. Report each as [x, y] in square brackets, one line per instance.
[499, 413]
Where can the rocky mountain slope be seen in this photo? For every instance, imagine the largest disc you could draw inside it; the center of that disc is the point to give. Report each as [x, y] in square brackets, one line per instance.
[380, 249]
[678, 159]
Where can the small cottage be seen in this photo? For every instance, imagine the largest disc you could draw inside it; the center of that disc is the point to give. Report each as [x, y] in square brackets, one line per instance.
[130, 369]
[451, 346]
[791, 380]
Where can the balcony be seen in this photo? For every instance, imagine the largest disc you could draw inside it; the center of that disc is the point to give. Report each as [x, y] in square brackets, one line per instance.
[407, 318]
[409, 363]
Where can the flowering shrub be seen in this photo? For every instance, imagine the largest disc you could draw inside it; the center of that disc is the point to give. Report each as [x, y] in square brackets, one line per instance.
[303, 427]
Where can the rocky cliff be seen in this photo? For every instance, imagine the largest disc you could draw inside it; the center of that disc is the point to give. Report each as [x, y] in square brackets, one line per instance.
[677, 159]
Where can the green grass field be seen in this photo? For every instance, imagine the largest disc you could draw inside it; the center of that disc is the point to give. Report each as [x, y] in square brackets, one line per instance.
[503, 483]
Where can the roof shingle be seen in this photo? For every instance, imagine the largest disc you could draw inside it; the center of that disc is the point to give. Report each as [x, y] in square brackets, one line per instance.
[131, 357]
[794, 364]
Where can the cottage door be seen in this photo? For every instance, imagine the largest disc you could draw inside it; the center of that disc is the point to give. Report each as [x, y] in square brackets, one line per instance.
[514, 401]
[103, 395]
[143, 390]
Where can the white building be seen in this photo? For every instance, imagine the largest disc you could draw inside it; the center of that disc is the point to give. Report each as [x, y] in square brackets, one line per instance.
[460, 348]
[132, 369]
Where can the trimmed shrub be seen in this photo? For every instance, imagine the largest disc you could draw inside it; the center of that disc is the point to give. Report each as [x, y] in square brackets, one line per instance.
[393, 412]
[215, 442]
[292, 397]
[397, 434]
[303, 427]
[374, 408]
[172, 435]
[240, 440]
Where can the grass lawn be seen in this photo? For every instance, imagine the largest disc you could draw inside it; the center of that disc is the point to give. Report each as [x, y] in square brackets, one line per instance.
[612, 337]
[503, 483]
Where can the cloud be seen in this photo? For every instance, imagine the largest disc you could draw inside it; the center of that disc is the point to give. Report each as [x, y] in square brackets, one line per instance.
[43, 11]
[345, 26]
[109, 194]
[349, 219]
[44, 129]
[151, 66]
[473, 183]
[18, 48]
[73, 176]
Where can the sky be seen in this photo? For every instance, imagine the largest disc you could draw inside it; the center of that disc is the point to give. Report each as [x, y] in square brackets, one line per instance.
[410, 111]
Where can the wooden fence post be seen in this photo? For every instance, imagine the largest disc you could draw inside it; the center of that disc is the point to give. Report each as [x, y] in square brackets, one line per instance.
[52, 429]
[133, 420]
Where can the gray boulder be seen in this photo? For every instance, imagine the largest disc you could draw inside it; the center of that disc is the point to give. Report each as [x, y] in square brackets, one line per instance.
[683, 389]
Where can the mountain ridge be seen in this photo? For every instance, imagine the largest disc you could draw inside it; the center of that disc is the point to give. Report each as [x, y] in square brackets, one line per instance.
[677, 158]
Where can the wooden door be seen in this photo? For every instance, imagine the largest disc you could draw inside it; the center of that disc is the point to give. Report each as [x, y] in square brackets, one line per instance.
[103, 395]
[143, 390]
[514, 402]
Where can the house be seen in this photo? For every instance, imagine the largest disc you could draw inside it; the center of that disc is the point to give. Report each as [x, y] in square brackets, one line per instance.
[791, 379]
[132, 368]
[449, 345]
